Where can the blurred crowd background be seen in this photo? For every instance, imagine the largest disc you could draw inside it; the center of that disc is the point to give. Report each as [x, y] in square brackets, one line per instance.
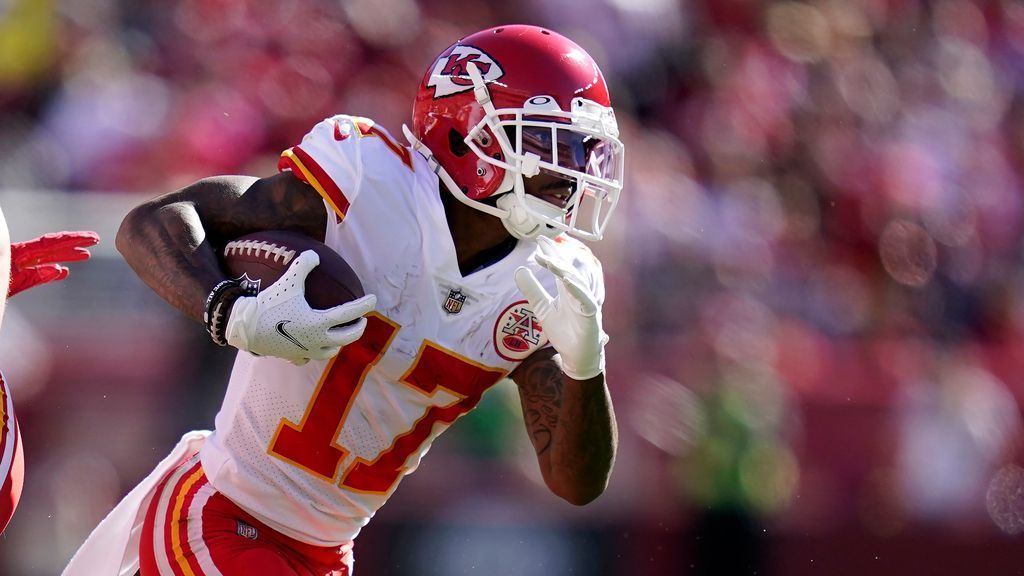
[815, 280]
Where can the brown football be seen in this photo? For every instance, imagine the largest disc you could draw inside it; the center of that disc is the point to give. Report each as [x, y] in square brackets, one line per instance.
[263, 257]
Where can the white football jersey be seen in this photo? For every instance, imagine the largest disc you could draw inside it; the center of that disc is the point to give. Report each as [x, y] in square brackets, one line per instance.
[314, 450]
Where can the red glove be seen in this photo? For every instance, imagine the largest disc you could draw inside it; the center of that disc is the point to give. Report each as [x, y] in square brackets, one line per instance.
[35, 261]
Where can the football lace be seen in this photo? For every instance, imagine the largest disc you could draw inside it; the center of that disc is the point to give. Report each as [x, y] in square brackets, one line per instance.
[248, 247]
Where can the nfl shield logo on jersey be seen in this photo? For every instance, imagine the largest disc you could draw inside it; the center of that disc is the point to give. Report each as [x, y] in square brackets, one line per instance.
[453, 304]
[517, 333]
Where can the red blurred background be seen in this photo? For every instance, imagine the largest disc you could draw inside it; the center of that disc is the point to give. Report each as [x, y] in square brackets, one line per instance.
[815, 291]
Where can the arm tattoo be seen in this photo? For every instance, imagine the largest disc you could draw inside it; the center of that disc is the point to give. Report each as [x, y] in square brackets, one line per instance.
[542, 401]
[572, 427]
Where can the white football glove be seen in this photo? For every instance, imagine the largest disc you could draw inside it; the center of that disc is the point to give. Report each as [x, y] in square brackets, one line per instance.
[279, 322]
[571, 320]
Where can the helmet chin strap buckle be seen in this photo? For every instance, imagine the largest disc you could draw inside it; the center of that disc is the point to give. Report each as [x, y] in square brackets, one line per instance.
[519, 222]
[523, 223]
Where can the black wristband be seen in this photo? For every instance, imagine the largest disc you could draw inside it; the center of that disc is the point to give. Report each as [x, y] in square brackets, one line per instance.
[213, 296]
[218, 305]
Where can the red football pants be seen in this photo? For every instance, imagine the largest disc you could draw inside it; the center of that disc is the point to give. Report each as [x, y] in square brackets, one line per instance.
[193, 530]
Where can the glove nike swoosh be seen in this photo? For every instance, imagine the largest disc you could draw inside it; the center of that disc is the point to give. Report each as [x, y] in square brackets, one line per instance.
[289, 337]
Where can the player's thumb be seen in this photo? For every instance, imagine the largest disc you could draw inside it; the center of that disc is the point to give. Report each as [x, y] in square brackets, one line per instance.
[304, 264]
[49, 273]
[24, 278]
[528, 284]
[351, 311]
[344, 335]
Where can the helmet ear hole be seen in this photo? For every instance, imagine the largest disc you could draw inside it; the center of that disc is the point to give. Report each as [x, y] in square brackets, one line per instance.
[456, 143]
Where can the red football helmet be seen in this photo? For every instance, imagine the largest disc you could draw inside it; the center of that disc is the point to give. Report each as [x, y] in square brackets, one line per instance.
[513, 101]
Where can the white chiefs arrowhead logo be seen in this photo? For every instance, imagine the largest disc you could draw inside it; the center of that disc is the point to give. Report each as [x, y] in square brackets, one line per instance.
[517, 333]
[451, 76]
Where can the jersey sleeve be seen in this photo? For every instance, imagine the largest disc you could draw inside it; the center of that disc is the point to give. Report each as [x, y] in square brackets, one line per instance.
[329, 159]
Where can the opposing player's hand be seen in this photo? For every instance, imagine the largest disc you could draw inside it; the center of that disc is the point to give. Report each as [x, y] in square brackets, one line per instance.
[36, 261]
[279, 322]
[572, 319]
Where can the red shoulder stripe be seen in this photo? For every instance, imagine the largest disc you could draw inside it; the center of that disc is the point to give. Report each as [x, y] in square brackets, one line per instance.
[302, 164]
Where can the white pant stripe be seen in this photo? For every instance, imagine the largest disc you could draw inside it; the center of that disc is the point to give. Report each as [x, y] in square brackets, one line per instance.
[160, 545]
[195, 531]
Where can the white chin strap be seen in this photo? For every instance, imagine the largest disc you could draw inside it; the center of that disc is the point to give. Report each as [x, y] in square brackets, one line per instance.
[521, 223]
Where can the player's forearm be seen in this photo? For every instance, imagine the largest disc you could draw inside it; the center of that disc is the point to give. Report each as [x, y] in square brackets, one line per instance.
[166, 245]
[584, 441]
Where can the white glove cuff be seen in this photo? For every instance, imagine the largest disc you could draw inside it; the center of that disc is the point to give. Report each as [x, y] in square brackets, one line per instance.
[242, 322]
[585, 368]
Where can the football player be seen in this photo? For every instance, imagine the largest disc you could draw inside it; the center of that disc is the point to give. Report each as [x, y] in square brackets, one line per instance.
[464, 242]
[22, 266]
